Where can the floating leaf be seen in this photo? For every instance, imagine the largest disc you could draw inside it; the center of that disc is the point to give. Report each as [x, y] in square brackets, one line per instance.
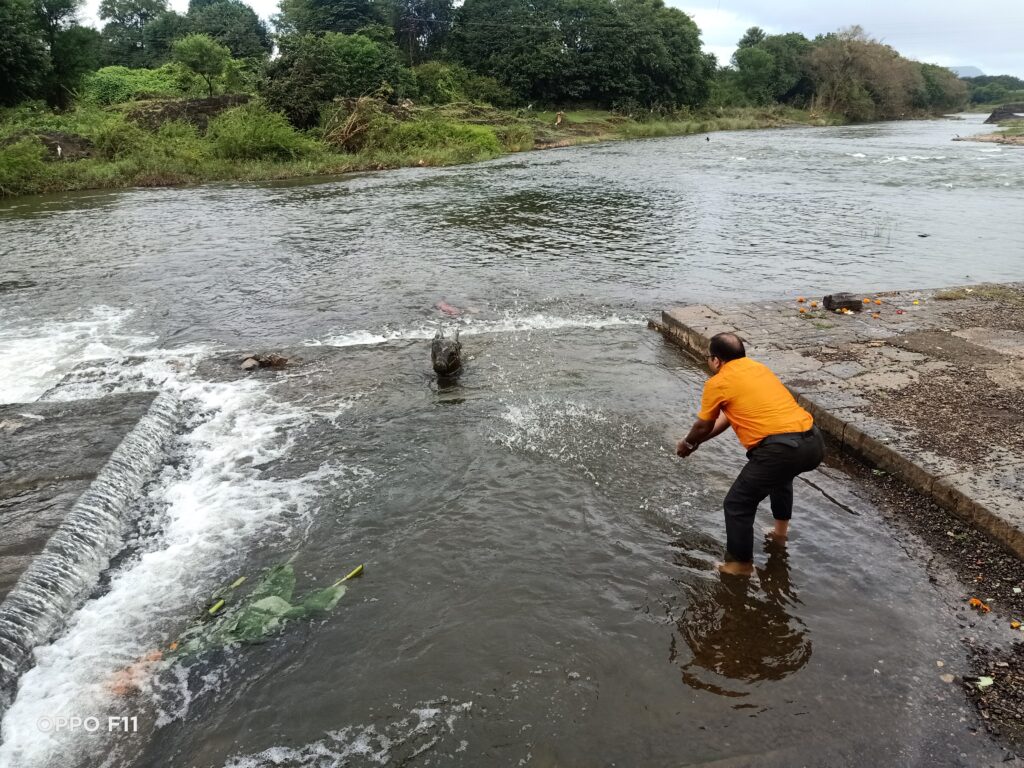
[984, 682]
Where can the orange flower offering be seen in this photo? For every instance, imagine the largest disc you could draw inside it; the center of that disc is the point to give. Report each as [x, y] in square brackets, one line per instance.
[802, 310]
[878, 302]
[975, 602]
[1014, 624]
[801, 299]
[867, 301]
[814, 304]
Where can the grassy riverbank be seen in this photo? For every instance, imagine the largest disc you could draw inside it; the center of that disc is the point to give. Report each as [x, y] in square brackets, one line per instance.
[123, 146]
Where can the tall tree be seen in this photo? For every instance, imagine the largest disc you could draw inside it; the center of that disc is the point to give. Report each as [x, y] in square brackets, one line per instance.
[159, 34]
[234, 24]
[23, 60]
[76, 52]
[753, 36]
[125, 29]
[666, 55]
[421, 27]
[345, 16]
[775, 68]
[517, 42]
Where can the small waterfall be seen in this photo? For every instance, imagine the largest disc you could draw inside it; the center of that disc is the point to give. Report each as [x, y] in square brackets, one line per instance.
[62, 575]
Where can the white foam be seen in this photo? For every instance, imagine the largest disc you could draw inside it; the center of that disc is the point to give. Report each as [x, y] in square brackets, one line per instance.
[396, 742]
[470, 326]
[212, 506]
[927, 157]
[856, 154]
[36, 357]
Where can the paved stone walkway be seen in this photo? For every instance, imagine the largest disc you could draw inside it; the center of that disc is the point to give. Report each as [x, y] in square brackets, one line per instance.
[927, 385]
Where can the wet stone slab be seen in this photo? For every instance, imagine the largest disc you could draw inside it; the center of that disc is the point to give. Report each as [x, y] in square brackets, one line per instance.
[49, 454]
[926, 384]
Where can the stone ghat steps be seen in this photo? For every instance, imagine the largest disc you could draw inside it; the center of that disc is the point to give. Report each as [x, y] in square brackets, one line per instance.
[926, 385]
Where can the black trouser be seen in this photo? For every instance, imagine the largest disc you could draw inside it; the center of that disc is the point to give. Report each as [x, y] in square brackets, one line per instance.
[771, 466]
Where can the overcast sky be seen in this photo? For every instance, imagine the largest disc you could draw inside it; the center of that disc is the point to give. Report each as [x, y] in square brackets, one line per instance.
[989, 35]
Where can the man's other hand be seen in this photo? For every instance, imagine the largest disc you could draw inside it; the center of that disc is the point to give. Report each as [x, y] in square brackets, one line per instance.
[683, 449]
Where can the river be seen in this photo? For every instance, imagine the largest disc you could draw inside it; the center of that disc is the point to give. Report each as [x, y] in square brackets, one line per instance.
[539, 586]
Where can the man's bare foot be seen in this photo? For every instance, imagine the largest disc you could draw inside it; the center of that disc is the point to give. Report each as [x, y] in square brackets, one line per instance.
[779, 532]
[735, 568]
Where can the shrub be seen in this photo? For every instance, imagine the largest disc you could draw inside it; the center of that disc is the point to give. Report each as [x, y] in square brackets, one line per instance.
[252, 132]
[516, 138]
[118, 139]
[487, 90]
[438, 82]
[313, 70]
[20, 164]
[454, 142]
[348, 127]
[115, 85]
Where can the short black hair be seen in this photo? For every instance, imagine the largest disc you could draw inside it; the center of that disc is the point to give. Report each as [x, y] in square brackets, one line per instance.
[726, 347]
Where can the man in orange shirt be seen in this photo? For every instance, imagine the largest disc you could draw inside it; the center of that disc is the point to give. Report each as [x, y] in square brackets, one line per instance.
[780, 438]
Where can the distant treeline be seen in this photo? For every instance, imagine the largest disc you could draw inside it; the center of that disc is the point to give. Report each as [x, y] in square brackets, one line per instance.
[995, 89]
[633, 56]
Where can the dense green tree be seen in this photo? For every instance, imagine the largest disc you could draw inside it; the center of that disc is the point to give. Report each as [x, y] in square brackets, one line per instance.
[346, 16]
[666, 55]
[311, 70]
[941, 89]
[76, 52]
[24, 63]
[421, 27]
[203, 55]
[234, 24]
[125, 29]
[753, 36]
[773, 69]
[516, 42]
[73, 49]
[595, 70]
[159, 35]
[626, 53]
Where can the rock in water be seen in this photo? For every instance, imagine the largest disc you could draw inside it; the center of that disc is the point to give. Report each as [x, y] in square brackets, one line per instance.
[446, 354]
[839, 301]
[273, 360]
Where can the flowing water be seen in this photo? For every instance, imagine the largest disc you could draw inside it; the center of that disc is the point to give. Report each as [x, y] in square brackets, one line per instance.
[539, 586]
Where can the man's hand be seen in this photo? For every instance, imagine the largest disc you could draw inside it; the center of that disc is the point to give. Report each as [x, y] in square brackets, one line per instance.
[684, 449]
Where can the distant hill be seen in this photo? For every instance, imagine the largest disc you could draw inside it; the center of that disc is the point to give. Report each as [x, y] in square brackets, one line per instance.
[966, 71]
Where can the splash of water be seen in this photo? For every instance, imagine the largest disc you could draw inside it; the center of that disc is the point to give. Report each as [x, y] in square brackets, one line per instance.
[60, 577]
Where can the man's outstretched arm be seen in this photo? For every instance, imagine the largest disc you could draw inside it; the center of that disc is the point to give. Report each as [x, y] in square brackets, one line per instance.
[701, 432]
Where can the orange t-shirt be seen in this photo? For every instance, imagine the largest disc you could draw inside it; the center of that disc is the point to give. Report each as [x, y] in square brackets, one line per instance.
[756, 403]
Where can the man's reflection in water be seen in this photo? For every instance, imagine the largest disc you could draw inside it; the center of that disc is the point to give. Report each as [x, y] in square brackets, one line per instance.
[740, 629]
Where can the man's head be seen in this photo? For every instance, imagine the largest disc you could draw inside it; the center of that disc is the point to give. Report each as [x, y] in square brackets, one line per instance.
[723, 348]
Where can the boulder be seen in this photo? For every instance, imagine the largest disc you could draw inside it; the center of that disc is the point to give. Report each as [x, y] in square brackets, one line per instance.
[446, 354]
[197, 112]
[272, 360]
[1006, 112]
